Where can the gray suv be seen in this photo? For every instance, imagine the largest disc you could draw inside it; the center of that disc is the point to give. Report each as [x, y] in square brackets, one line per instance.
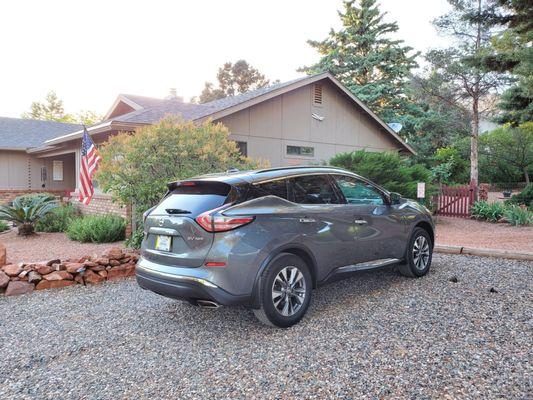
[267, 238]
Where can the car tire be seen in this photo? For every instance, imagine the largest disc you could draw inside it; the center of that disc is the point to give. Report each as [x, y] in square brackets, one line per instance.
[284, 291]
[418, 254]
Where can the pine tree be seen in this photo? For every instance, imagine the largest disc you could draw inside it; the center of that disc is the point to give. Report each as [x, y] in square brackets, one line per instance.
[374, 67]
[50, 110]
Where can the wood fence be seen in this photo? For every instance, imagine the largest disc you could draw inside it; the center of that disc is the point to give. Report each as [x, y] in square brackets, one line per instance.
[455, 201]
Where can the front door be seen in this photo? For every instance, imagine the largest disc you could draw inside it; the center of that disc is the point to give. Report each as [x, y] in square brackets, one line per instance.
[378, 228]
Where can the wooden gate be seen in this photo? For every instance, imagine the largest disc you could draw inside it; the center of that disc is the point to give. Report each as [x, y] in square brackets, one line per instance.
[455, 201]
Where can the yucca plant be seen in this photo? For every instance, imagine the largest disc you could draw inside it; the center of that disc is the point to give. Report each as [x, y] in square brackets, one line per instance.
[26, 211]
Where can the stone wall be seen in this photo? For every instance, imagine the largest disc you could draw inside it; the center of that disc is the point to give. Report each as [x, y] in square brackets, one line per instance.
[7, 195]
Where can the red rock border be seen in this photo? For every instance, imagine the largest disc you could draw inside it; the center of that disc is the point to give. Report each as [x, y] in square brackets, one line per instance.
[23, 278]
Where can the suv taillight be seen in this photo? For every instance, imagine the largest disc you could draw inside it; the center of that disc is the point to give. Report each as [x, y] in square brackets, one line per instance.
[221, 223]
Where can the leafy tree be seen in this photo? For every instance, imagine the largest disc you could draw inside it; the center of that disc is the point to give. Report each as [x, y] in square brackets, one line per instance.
[52, 110]
[233, 78]
[361, 55]
[463, 79]
[512, 146]
[387, 169]
[136, 168]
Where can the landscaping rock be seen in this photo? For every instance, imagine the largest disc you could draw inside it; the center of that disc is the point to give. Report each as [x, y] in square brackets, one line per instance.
[102, 261]
[74, 267]
[4, 279]
[115, 253]
[34, 277]
[52, 262]
[53, 284]
[121, 271]
[114, 263]
[44, 269]
[58, 276]
[90, 264]
[103, 273]
[12, 269]
[92, 277]
[23, 273]
[3, 255]
[79, 278]
[19, 287]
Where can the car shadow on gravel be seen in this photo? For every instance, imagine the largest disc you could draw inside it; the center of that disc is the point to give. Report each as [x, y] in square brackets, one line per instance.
[328, 300]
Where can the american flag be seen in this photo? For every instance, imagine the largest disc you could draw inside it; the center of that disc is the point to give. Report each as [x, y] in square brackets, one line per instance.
[89, 162]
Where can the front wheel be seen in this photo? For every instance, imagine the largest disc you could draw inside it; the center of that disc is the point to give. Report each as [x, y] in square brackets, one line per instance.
[284, 291]
[418, 254]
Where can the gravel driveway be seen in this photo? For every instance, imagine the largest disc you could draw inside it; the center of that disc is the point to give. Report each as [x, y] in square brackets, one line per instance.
[377, 335]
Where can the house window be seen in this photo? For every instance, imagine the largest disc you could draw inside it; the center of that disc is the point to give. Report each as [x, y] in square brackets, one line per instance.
[300, 151]
[317, 94]
[57, 170]
[44, 174]
[243, 148]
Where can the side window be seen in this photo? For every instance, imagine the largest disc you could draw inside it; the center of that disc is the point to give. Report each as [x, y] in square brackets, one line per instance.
[358, 192]
[274, 188]
[313, 189]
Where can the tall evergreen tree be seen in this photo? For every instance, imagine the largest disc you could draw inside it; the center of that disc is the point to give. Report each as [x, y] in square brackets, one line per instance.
[364, 57]
[49, 110]
[467, 84]
[511, 52]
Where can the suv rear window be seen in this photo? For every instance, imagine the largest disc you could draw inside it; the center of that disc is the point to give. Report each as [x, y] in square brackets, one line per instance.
[274, 188]
[193, 198]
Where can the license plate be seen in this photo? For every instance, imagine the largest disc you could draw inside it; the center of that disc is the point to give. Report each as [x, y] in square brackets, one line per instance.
[163, 242]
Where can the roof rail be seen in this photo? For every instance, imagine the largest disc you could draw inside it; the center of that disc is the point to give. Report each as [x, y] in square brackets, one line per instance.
[295, 167]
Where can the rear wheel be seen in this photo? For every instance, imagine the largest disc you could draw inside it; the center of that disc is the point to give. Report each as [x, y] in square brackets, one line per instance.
[284, 291]
[418, 254]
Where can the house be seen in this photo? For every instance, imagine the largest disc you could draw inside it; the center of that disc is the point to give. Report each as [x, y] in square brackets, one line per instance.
[21, 171]
[303, 121]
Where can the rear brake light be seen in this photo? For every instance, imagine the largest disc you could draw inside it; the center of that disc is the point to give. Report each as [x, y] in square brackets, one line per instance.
[221, 223]
[215, 264]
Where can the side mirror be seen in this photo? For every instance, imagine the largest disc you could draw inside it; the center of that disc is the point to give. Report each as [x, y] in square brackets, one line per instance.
[394, 198]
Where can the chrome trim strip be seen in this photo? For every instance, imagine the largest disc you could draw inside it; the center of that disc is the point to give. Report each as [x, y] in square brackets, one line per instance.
[368, 265]
[176, 277]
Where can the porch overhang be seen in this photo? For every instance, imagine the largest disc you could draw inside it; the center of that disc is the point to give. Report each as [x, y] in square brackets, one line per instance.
[103, 127]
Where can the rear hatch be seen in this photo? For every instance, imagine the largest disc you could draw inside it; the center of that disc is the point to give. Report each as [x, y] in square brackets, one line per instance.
[173, 236]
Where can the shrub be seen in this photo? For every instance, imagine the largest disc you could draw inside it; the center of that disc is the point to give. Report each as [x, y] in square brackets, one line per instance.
[58, 220]
[3, 226]
[491, 212]
[26, 211]
[134, 241]
[518, 216]
[386, 169]
[524, 197]
[97, 229]
[26, 199]
[136, 168]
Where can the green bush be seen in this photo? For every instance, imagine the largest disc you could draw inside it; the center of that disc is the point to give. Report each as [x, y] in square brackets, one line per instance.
[134, 241]
[26, 199]
[3, 226]
[518, 216]
[491, 212]
[524, 197]
[389, 170]
[26, 211]
[97, 229]
[58, 220]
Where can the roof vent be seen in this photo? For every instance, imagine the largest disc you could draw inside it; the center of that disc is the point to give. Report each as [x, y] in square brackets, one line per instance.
[317, 95]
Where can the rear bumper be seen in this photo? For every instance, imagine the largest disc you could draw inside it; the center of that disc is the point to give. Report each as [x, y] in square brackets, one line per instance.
[183, 287]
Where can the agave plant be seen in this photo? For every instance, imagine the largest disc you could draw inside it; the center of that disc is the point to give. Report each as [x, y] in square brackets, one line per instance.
[26, 211]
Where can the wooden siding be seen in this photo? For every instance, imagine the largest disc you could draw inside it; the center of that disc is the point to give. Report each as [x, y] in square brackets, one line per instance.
[270, 126]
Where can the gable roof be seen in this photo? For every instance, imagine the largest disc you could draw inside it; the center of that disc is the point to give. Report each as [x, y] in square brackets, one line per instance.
[149, 110]
[21, 134]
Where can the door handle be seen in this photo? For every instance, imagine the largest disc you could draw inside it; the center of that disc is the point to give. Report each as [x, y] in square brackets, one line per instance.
[360, 222]
[306, 220]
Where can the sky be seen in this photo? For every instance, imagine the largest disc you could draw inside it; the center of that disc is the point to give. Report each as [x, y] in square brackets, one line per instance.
[90, 51]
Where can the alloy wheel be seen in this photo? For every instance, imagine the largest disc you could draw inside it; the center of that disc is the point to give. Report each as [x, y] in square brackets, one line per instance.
[288, 291]
[421, 253]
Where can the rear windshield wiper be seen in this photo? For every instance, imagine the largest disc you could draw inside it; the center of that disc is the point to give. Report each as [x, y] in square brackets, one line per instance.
[177, 211]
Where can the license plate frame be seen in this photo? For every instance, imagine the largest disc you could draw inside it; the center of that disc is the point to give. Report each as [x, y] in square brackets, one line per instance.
[163, 242]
